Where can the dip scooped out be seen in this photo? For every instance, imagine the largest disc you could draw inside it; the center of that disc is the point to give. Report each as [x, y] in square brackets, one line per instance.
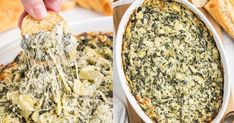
[56, 80]
[44, 39]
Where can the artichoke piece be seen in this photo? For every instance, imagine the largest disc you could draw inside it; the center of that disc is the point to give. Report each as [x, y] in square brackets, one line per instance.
[89, 73]
[24, 101]
[35, 116]
[9, 119]
[6, 119]
[90, 52]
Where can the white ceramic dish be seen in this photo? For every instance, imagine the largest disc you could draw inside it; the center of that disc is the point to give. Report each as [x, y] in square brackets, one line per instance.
[120, 72]
[10, 47]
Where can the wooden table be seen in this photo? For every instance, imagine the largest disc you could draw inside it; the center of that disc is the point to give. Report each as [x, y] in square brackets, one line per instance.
[117, 15]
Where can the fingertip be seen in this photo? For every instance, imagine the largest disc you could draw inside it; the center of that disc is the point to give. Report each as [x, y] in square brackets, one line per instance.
[38, 12]
[21, 19]
[54, 5]
[35, 8]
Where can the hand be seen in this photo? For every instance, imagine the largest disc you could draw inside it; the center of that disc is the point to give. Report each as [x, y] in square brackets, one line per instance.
[38, 8]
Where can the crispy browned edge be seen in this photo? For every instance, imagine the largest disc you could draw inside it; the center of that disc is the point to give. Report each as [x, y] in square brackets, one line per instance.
[2, 68]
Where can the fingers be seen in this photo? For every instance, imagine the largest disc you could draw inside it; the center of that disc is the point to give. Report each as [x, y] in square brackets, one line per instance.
[53, 5]
[21, 19]
[38, 8]
[35, 8]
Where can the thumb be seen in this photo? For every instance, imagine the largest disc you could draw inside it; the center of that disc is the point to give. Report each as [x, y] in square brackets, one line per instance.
[35, 8]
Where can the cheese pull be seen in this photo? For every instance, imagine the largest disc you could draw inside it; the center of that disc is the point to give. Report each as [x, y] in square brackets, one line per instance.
[46, 38]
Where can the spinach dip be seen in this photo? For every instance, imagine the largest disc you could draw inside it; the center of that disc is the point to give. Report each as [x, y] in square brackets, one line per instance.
[38, 86]
[172, 64]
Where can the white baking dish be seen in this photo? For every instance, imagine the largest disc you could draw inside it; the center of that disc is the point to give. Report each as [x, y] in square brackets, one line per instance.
[121, 75]
[10, 41]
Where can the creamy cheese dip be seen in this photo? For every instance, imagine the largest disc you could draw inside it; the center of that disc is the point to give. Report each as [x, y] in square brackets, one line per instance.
[59, 79]
[172, 64]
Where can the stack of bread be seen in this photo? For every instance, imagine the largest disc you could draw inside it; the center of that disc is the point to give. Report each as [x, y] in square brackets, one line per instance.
[221, 10]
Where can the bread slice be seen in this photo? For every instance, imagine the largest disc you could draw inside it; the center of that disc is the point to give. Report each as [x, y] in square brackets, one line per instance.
[95, 5]
[199, 3]
[68, 4]
[107, 8]
[31, 26]
[83, 3]
[10, 11]
[102, 6]
[222, 11]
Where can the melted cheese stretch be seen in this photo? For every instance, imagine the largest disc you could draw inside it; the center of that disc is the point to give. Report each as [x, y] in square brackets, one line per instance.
[172, 64]
[59, 42]
[68, 88]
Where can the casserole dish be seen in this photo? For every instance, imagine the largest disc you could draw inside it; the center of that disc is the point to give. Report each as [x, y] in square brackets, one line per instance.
[119, 65]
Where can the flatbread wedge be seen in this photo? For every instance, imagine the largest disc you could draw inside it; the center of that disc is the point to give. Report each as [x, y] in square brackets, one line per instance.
[31, 26]
[102, 6]
[68, 4]
[107, 8]
[95, 4]
[83, 3]
[222, 11]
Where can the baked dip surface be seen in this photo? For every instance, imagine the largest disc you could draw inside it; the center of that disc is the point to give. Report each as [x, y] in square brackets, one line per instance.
[172, 64]
[75, 88]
